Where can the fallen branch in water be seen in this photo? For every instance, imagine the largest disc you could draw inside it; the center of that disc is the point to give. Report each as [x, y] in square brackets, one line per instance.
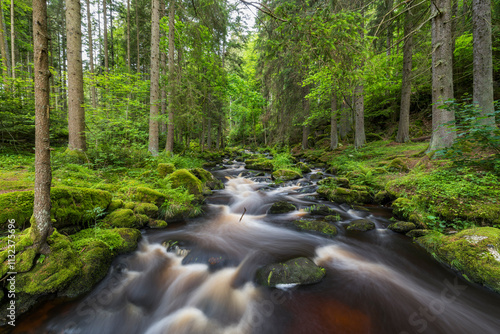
[244, 210]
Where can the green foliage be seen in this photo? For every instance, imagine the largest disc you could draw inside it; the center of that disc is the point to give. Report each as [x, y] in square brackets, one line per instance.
[478, 139]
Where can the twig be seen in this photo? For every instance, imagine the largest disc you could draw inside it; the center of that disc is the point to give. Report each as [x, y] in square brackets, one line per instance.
[244, 211]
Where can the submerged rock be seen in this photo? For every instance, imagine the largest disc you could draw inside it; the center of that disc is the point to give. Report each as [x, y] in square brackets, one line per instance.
[286, 175]
[320, 210]
[473, 252]
[361, 225]
[295, 271]
[343, 195]
[304, 168]
[418, 233]
[402, 227]
[282, 207]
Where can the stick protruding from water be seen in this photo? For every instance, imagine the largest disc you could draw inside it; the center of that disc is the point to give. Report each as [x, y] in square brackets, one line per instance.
[244, 211]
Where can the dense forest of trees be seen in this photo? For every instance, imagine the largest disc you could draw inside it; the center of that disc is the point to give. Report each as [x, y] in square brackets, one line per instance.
[168, 75]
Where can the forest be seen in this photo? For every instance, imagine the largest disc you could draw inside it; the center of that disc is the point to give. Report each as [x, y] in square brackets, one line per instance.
[127, 125]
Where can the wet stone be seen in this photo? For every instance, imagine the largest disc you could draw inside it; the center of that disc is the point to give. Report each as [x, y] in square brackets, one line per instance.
[361, 225]
[282, 207]
[295, 271]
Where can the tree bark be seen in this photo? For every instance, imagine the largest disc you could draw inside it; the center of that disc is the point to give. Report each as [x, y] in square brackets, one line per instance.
[359, 117]
[76, 112]
[155, 78]
[344, 120]
[105, 28]
[442, 75]
[171, 77]
[12, 39]
[137, 36]
[128, 35]
[91, 56]
[305, 128]
[404, 114]
[163, 66]
[482, 60]
[41, 226]
[334, 137]
[4, 48]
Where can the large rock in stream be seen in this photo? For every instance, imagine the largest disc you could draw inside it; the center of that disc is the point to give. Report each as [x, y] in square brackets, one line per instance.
[295, 271]
[282, 207]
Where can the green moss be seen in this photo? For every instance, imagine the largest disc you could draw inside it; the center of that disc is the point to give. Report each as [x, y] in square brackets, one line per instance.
[472, 252]
[207, 178]
[165, 168]
[148, 195]
[70, 205]
[118, 240]
[75, 156]
[398, 164]
[183, 178]
[147, 209]
[295, 271]
[317, 226]
[142, 220]
[282, 207]
[286, 175]
[402, 227]
[96, 258]
[304, 168]
[343, 195]
[361, 225]
[55, 271]
[122, 218]
[259, 164]
[129, 205]
[402, 207]
[115, 204]
[157, 224]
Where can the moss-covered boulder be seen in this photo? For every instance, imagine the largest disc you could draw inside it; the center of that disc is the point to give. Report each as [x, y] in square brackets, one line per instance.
[70, 206]
[417, 233]
[259, 164]
[207, 179]
[165, 168]
[402, 208]
[383, 197]
[398, 165]
[343, 195]
[320, 210]
[473, 252]
[286, 175]
[157, 223]
[122, 218]
[304, 168]
[115, 204]
[295, 271]
[402, 227]
[183, 178]
[75, 156]
[321, 227]
[282, 207]
[148, 209]
[316, 176]
[148, 195]
[361, 225]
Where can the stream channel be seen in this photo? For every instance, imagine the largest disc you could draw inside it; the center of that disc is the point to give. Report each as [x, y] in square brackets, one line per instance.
[376, 281]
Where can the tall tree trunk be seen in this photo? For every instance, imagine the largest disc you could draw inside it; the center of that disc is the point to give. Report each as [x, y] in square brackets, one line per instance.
[171, 77]
[209, 133]
[483, 62]
[442, 75]
[305, 128]
[111, 33]
[344, 120]
[41, 226]
[128, 36]
[137, 36]
[404, 116]
[4, 47]
[91, 56]
[12, 39]
[334, 137]
[76, 112]
[219, 133]
[105, 22]
[155, 78]
[359, 117]
[163, 90]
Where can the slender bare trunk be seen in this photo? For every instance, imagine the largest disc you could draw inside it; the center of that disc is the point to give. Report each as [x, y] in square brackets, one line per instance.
[76, 112]
[155, 78]
[137, 36]
[91, 55]
[4, 47]
[12, 39]
[163, 89]
[128, 35]
[105, 22]
[334, 137]
[404, 115]
[41, 224]
[171, 77]
[344, 120]
[442, 75]
[483, 61]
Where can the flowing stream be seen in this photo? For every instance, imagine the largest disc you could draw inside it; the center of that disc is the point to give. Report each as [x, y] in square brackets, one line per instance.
[376, 281]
